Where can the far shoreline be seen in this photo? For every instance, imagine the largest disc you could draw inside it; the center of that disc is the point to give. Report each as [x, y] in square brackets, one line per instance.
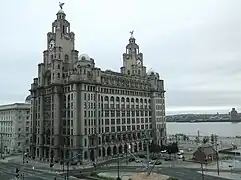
[216, 121]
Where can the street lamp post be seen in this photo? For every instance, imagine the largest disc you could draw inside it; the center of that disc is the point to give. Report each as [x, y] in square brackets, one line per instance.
[147, 140]
[68, 161]
[23, 154]
[217, 157]
[218, 163]
[67, 174]
[202, 171]
[126, 156]
[118, 178]
[148, 155]
[63, 157]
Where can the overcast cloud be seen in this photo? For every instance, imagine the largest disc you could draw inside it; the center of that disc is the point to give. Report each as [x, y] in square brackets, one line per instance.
[194, 45]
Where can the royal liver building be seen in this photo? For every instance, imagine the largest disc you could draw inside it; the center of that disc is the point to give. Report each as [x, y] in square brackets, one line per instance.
[77, 108]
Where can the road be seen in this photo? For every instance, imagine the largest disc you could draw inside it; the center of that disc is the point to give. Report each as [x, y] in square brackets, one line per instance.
[7, 172]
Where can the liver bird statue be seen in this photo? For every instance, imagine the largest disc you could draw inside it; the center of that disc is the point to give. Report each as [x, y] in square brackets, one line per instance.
[132, 32]
[61, 5]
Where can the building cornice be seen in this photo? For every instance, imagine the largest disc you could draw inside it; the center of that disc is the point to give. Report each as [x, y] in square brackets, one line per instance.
[15, 106]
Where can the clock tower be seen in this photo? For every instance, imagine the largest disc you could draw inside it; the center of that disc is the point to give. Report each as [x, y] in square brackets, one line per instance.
[60, 54]
[58, 59]
[133, 59]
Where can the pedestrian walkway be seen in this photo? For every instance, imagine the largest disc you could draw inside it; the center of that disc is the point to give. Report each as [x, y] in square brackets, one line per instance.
[10, 158]
[224, 175]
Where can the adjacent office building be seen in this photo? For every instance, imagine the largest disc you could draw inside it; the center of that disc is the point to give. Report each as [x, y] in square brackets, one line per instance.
[15, 127]
[77, 108]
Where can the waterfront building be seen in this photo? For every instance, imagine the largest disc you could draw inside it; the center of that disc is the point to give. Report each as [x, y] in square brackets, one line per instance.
[234, 116]
[15, 127]
[205, 153]
[79, 109]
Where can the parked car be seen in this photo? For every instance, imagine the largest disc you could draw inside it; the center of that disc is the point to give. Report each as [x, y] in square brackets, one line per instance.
[158, 162]
[142, 156]
[151, 162]
[180, 156]
[153, 157]
[189, 149]
[131, 159]
[164, 151]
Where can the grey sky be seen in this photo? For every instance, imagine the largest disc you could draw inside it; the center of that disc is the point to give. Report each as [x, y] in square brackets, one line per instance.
[194, 45]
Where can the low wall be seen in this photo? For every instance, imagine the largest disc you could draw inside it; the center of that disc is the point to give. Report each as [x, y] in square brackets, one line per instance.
[229, 151]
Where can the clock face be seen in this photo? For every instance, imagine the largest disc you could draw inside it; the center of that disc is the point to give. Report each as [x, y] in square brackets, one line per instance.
[51, 45]
[138, 62]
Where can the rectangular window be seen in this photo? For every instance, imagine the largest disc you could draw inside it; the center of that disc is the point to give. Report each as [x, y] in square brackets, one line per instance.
[113, 129]
[117, 121]
[107, 129]
[112, 121]
[112, 113]
[107, 122]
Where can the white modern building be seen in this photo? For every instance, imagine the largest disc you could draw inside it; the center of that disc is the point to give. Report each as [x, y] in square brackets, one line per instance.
[77, 108]
[15, 127]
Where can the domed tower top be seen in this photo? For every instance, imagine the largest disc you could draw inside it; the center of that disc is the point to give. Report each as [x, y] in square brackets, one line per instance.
[60, 14]
[61, 24]
[133, 59]
[132, 46]
[28, 99]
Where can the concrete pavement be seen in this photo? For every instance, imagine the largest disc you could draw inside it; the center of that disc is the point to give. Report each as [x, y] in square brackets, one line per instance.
[179, 173]
[7, 172]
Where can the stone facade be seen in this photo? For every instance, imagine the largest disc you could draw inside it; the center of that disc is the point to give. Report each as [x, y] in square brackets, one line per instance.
[14, 127]
[77, 108]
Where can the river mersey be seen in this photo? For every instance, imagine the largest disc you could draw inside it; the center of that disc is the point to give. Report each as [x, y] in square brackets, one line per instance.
[224, 129]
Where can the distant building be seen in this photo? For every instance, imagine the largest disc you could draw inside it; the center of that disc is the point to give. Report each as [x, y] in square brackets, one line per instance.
[205, 153]
[234, 116]
[15, 127]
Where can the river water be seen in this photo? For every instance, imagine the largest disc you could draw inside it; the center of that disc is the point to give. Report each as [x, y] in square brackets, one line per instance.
[225, 129]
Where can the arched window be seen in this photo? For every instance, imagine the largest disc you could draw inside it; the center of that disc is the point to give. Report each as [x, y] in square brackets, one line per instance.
[66, 57]
[58, 66]
[63, 29]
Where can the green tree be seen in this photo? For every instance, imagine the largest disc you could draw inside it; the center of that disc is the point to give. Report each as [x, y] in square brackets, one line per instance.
[197, 140]
[176, 137]
[205, 139]
[216, 139]
[154, 148]
[212, 139]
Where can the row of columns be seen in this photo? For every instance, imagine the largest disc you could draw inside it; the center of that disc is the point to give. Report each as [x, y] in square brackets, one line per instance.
[107, 151]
